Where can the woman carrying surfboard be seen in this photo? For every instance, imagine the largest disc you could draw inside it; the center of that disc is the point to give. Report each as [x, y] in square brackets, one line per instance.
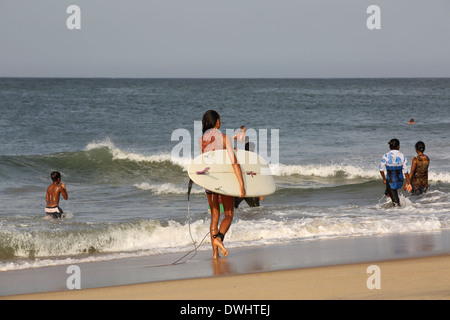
[212, 139]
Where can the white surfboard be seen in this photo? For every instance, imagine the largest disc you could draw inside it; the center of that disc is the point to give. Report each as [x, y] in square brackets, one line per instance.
[213, 171]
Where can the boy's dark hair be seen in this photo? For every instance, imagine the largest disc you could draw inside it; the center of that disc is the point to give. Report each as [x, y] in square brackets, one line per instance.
[394, 144]
[420, 146]
[55, 175]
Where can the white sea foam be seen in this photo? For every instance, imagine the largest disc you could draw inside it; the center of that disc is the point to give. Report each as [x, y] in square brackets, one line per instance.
[119, 154]
[350, 172]
[167, 188]
[439, 176]
[270, 231]
[148, 237]
[314, 170]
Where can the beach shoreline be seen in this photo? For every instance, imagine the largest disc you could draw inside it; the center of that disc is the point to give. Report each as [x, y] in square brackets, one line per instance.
[425, 278]
[317, 269]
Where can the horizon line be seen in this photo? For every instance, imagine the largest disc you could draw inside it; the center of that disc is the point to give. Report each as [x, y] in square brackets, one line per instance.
[225, 78]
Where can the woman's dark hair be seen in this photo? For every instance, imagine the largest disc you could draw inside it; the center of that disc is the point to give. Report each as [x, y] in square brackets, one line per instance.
[420, 146]
[209, 120]
[394, 144]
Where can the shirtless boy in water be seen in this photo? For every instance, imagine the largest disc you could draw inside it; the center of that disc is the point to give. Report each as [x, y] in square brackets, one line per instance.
[54, 190]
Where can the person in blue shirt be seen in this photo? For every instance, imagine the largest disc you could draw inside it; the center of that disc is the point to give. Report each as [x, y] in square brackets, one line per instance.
[396, 166]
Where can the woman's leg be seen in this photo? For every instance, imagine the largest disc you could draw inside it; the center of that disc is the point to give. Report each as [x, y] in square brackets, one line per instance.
[228, 207]
[213, 201]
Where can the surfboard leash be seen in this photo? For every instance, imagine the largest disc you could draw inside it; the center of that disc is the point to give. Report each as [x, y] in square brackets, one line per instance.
[190, 233]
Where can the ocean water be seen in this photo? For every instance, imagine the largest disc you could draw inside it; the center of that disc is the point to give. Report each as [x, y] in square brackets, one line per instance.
[113, 141]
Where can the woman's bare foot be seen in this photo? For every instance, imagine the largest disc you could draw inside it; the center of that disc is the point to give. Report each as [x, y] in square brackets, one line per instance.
[215, 251]
[219, 244]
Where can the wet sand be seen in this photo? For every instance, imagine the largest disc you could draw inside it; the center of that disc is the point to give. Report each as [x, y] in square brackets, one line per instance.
[416, 278]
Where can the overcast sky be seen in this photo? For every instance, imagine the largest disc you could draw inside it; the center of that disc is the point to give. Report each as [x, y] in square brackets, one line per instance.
[225, 38]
